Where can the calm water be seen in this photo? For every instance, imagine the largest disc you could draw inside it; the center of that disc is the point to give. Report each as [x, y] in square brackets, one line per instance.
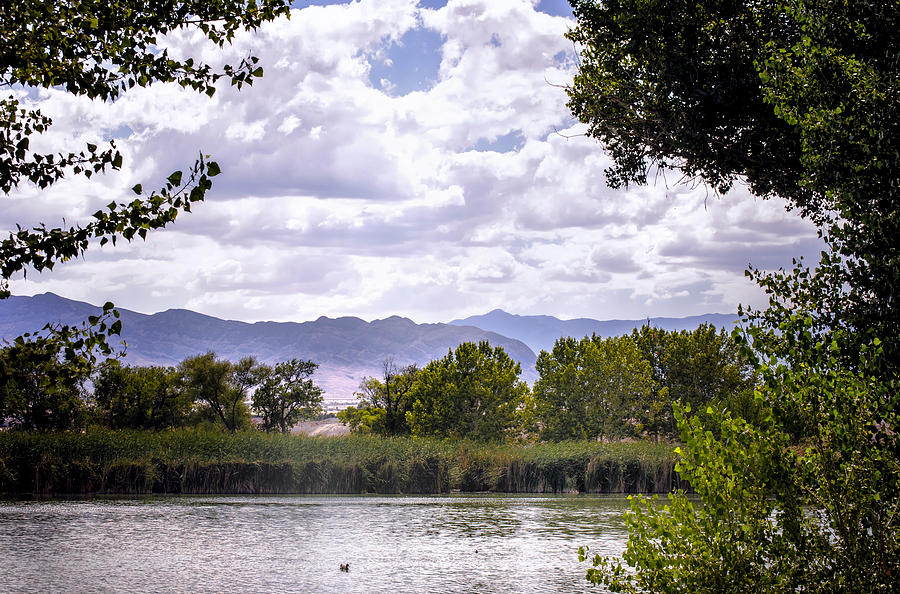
[458, 543]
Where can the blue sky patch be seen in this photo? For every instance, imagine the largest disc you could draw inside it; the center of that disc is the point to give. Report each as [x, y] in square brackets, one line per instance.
[555, 7]
[122, 131]
[413, 64]
[507, 143]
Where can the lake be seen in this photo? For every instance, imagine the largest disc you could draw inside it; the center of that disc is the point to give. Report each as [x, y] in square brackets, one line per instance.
[457, 543]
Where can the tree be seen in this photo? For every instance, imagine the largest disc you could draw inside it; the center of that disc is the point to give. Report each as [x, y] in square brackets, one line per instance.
[799, 99]
[383, 403]
[286, 395]
[591, 388]
[42, 375]
[472, 392]
[100, 50]
[128, 397]
[697, 368]
[38, 390]
[221, 386]
[774, 514]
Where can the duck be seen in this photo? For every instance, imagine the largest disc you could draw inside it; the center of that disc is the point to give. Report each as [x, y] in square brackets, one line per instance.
[345, 567]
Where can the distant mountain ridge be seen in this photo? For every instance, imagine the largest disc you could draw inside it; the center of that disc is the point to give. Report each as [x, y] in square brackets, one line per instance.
[346, 349]
[540, 332]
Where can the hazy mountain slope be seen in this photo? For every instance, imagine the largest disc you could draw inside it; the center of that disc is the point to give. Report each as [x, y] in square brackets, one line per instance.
[540, 332]
[346, 349]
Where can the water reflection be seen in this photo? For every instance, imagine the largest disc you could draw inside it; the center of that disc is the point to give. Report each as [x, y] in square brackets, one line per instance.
[459, 543]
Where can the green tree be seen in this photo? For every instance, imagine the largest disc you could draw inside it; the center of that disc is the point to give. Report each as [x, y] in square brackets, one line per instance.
[38, 390]
[287, 395]
[99, 50]
[799, 99]
[362, 418]
[591, 388]
[696, 368]
[473, 392]
[383, 403]
[221, 386]
[42, 375]
[128, 397]
[796, 98]
[775, 515]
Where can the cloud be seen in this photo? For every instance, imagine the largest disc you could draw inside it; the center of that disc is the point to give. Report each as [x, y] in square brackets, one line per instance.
[397, 158]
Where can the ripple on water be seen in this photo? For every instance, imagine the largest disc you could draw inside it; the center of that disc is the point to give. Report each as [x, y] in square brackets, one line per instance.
[459, 543]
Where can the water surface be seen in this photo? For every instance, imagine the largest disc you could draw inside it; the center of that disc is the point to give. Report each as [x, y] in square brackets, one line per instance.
[457, 543]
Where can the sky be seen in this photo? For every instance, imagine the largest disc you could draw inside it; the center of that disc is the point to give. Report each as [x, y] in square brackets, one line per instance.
[399, 157]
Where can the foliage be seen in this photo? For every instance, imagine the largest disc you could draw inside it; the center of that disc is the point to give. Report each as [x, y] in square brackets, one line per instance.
[472, 392]
[383, 403]
[362, 418]
[624, 386]
[37, 390]
[818, 517]
[41, 375]
[286, 395]
[590, 388]
[799, 99]
[796, 98]
[674, 85]
[139, 397]
[221, 386]
[203, 461]
[100, 50]
[697, 368]
[43, 387]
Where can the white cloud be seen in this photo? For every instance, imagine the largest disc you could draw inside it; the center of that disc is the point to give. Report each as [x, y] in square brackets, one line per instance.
[337, 198]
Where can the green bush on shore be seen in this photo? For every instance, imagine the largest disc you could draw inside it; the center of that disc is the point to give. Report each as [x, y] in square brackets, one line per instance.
[194, 461]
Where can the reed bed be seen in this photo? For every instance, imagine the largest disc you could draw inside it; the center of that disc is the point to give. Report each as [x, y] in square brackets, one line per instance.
[192, 461]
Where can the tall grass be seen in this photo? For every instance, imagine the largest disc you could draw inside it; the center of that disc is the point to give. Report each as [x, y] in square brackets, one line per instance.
[191, 461]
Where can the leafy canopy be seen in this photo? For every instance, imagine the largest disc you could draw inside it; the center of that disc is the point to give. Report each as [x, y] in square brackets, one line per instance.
[591, 388]
[795, 98]
[473, 392]
[383, 403]
[285, 394]
[799, 99]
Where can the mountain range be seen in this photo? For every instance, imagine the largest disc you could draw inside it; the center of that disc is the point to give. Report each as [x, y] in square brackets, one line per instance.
[540, 332]
[346, 349]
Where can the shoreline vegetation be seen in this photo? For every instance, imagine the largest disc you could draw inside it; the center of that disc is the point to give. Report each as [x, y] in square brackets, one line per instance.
[190, 461]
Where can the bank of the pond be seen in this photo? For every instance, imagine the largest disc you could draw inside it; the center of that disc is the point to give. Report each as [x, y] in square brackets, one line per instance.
[187, 461]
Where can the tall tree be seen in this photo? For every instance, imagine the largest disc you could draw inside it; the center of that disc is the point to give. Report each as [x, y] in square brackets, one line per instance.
[287, 395]
[591, 388]
[39, 389]
[128, 397]
[797, 98]
[474, 392]
[800, 99]
[383, 403]
[221, 386]
[697, 368]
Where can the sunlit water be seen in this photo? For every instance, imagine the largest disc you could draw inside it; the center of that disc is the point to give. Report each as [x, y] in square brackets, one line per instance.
[458, 543]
